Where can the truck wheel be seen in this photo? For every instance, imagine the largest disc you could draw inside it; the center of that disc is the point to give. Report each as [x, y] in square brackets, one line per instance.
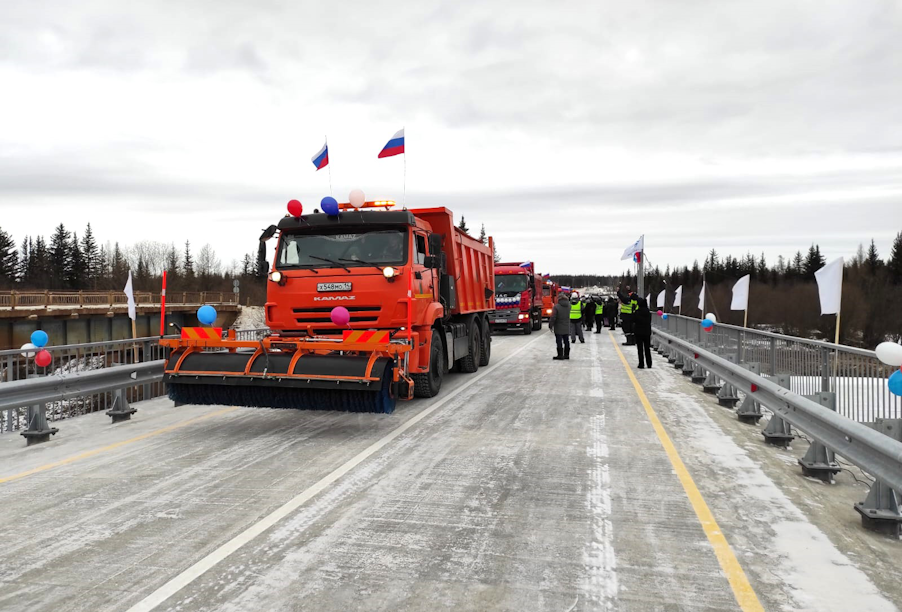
[430, 383]
[537, 321]
[470, 363]
[486, 353]
[528, 329]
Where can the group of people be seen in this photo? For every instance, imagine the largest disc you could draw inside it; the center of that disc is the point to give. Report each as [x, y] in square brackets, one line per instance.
[571, 314]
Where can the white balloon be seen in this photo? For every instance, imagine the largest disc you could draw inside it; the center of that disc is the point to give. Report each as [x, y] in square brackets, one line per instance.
[711, 316]
[356, 198]
[890, 353]
[28, 349]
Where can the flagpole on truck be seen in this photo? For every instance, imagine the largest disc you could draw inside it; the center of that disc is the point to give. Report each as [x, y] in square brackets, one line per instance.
[404, 195]
[330, 167]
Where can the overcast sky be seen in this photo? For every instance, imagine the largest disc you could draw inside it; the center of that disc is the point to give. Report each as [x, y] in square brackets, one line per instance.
[567, 128]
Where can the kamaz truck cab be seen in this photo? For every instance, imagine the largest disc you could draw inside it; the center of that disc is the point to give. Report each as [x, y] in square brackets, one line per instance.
[518, 297]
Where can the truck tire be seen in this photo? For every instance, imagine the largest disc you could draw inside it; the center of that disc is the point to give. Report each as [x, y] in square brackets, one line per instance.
[470, 363]
[528, 329]
[537, 320]
[430, 383]
[486, 353]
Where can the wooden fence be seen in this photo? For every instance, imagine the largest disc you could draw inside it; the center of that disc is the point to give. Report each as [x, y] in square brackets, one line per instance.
[81, 299]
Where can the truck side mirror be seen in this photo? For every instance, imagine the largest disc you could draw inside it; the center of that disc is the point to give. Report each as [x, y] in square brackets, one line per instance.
[435, 244]
[431, 261]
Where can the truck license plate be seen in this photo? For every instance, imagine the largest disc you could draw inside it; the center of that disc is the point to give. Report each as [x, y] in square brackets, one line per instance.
[333, 286]
[500, 320]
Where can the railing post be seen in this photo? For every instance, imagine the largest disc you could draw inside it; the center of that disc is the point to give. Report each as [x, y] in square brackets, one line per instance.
[820, 461]
[37, 430]
[81, 298]
[773, 356]
[203, 297]
[12, 299]
[825, 369]
[111, 299]
[880, 510]
[778, 432]
[46, 299]
[121, 410]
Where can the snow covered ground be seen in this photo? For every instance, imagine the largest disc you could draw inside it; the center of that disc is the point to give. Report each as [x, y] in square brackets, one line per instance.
[250, 317]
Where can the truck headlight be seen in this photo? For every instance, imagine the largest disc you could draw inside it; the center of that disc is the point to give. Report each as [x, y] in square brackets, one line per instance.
[388, 272]
[275, 276]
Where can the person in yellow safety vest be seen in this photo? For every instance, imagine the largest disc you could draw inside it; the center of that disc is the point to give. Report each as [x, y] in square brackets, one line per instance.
[629, 302]
[576, 320]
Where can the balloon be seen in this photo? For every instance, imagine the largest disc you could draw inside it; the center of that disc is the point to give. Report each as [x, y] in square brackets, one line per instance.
[356, 198]
[329, 206]
[660, 313]
[340, 316]
[28, 349]
[895, 383]
[295, 208]
[664, 316]
[39, 338]
[707, 323]
[889, 353]
[43, 359]
[710, 316]
[709, 328]
[206, 314]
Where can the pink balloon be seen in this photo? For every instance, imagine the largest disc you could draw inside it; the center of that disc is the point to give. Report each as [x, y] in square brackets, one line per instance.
[660, 313]
[340, 316]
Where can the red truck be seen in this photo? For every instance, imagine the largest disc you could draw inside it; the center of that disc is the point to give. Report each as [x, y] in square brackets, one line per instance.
[518, 297]
[416, 293]
[550, 290]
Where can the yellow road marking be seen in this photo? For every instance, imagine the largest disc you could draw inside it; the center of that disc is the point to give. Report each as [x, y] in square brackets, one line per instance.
[114, 446]
[742, 589]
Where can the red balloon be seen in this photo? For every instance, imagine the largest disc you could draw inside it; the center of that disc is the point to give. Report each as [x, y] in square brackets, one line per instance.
[295, 208]
[43, 359]
[707, 329]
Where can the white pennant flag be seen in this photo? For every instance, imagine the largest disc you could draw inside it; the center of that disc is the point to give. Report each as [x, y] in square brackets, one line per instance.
[131, 297]
[741, 294]
[829, 286]
[678, 298]
[636, 247]
[648, 300]
[661, 298]
[701, 298]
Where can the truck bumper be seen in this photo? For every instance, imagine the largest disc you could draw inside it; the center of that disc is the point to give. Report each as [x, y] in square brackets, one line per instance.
[508, 319]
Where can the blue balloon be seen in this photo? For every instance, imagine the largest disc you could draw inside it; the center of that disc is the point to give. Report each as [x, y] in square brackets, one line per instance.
[206, 314]
[39, 338]
[329, 206]
[895, 383]
[665, 315]
[707, 323]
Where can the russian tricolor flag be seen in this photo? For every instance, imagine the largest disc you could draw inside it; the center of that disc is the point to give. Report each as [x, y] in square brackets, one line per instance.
[395, 146]
[321, 159]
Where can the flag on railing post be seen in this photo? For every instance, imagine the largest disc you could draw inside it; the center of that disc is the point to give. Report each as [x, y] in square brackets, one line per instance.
[132, 314]
[741, 297]
[662, 297]
[701, 298]
[829, 289]
[678, 298]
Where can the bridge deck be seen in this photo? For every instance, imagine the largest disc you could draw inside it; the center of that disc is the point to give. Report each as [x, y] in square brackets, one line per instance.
[531, 485]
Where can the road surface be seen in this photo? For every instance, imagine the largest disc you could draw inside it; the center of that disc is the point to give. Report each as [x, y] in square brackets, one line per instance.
[530, 485]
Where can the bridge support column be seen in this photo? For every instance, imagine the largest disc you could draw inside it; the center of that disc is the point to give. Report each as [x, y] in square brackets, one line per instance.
[820, 461]
[778, 432]
[880, 510]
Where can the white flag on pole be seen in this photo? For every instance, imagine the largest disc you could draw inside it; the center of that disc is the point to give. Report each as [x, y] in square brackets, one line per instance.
[741, 294]
[661, 298]
[648, 300]
[829, 286]
[636, 247]
[131, 297]
[701, 298]
[678, 298]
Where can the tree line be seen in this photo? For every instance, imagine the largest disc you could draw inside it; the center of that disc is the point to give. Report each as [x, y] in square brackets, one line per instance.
[784, 297]
[67, 261]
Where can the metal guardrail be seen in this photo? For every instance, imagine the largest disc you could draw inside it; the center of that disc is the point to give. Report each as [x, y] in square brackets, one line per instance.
[855, 375]
[870, 450]
[76, 299]
[75, 358]
[877, 450]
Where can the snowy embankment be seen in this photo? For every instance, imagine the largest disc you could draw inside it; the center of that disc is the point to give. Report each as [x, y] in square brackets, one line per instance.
[250, 317]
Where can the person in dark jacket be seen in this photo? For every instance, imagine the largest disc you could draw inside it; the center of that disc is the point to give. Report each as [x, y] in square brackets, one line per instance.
[611, 312]
[642, 331]
[559, 324]
[589, 313]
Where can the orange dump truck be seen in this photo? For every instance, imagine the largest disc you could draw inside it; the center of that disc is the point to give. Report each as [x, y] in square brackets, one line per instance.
[365, 307]
[550, 290]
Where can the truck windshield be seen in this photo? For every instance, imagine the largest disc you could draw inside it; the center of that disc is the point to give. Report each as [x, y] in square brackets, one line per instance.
[374, 246]
[510, 283]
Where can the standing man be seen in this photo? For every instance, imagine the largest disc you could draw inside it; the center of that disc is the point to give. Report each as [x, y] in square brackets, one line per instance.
[610, 306]
[642, 331]
[589, 313]
[599, 315]
[559, 324]
[576, 319]
[626, 314]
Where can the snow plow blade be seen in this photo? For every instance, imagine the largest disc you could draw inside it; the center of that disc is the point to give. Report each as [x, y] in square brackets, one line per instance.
[301, 374]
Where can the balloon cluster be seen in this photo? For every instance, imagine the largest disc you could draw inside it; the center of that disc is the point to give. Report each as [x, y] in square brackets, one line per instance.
[42, 357]
[890, 353]
[206, 314]
[709, 321]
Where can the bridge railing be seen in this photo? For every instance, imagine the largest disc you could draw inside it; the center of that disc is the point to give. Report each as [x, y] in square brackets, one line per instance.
[855, 375]
[72, 358]
[80, 299]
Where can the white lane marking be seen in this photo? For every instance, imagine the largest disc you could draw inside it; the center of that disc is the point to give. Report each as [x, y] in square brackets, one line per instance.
[211, 560]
